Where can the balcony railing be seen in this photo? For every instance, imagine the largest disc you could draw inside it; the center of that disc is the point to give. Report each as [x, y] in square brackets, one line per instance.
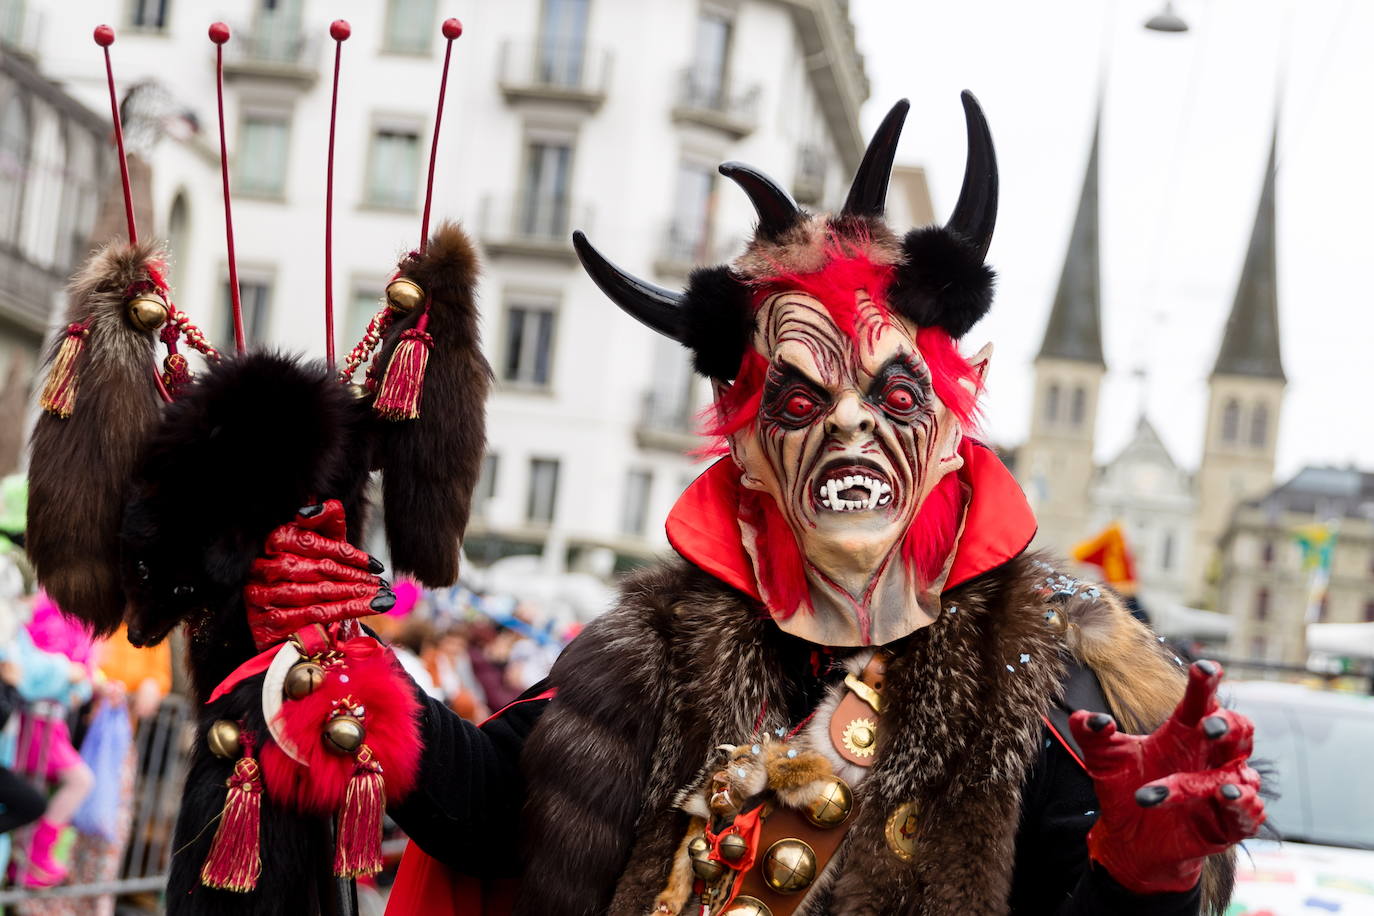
[20, 23]
[687, 245]
[555, 71]
[710, 102]
[666, 423]
[532, 224]
[808, 187]
[274, 52]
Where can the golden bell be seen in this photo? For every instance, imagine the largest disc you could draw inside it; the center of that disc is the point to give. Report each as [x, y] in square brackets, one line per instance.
[404, 295]
[344, 735]
[833, 805]
[223, 739]
[303, 679]
[789, 866]
[147, 311]
[708, 870]
[745, 905]
[733, 847]
[358, 391]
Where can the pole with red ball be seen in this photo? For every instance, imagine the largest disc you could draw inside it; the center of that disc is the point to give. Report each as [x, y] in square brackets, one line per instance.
[219, 34]
[105, 36]
[339, 30]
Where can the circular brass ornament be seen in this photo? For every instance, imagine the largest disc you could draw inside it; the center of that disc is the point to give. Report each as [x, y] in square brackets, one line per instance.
[745, 905]
[147, 311]
[733, 847]
[902, 832]
[789, 866]
[699, 848]
[861, 737]
[223, 739]
[833, 805]
[344, 735]
[303, 679]
[404, 295]
[708, 870]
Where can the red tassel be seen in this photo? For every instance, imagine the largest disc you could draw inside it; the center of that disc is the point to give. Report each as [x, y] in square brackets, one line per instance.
[358, 850]
[235, 860]
[176, 373]
[398, 398]
[59, 394]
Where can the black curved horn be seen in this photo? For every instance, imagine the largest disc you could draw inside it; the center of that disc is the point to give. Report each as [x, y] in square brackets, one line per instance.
[975, 214]
[653, 305]
[868, 192]
[777, 211]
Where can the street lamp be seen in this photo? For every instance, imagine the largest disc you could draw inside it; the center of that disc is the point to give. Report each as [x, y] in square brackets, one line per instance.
[1166, 20]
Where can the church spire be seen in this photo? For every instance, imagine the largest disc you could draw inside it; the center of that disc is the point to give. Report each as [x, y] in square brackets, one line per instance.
[1074, 330]
[1250, 344]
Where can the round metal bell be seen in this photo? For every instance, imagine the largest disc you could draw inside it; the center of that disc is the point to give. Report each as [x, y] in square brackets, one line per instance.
[147, 311]
[733, 847]
[789, 866]
[344, 735]
[833, 805]
[745, 905]
[223, 739]
[708, 870]
[303, 679]
[404, 295]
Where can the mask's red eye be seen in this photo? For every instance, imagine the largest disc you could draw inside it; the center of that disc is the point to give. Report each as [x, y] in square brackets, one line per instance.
[799, 406]
[900, 399]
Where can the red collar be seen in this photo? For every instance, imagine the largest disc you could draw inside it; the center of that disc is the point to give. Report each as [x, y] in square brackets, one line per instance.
[704, 527]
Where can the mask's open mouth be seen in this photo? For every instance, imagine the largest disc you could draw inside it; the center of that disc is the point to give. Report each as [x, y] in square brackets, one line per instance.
[847, 486]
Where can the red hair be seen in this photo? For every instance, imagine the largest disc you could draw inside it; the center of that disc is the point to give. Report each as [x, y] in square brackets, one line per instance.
[930, 539]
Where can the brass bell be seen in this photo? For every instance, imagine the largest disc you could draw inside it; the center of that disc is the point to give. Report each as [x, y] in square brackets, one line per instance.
[708, 870]
[404, 295]
[789, 866]
[358, 391]
[303, 679]
[699, 848]
[745, 905]
[223, 739]
[733, 847]
[147, 311]
[344, 735]
[833, 805]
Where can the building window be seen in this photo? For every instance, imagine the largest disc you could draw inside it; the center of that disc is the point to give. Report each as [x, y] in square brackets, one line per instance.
[486, 483]
[255, 300]
[544, 204]
[1259, 426]
[149, 14]
[409, 26]
[1078, 407]
[707, 77]
[635, 510]
[562, 42]
[363, 303]
[393, 168]
[79, 201]
[179, 237]
[260, 165]
[690, 231]
[543, 493]
[1262, 604]
[1323, 607]
[1166, 552]
[529, 345]
[1267, 554]
[1230, 421]
[14, 166]
[1052, 403]
[1258, 648]
[1369, 612]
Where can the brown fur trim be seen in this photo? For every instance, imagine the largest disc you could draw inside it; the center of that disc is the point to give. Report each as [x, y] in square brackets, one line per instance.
[80, 466]
[805, 247]
[431, 464]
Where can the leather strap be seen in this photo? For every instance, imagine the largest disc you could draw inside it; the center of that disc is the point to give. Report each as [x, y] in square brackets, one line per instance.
[862, 702]
[789, 823]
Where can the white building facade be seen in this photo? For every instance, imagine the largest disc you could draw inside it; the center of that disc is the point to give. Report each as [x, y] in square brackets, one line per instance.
[604, 115]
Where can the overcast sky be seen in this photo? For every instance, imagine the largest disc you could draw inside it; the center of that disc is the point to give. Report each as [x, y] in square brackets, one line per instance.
[1186, 125]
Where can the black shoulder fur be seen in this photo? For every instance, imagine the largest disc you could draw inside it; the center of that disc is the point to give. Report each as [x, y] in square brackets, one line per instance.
[941, 282]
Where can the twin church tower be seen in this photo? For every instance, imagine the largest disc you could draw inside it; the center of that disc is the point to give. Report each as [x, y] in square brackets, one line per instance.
[1056, 465]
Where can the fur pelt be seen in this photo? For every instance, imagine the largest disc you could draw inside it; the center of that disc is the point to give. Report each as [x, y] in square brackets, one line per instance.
[806, 247]
[80, 466]
[431, 464]
[685, 663]
[718, 321]
[255, 439]
[941, 281]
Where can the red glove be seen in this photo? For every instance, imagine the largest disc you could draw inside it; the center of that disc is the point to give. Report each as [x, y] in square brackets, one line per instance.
[310, 574]
[1171, 798]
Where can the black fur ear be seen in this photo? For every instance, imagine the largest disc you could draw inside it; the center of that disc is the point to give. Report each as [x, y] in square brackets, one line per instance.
[941, 282]
[718, 321]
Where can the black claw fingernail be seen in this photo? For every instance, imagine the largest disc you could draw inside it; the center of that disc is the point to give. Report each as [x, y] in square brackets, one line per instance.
[1206, 667]
[1098, 721]
[375, 565]
[311, 511]
[1230, 792]
[383, 602]
[383, 583]
[1214, 727]
[1149, 796]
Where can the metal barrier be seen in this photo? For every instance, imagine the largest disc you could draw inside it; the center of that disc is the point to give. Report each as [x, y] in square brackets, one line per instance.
[161, 745]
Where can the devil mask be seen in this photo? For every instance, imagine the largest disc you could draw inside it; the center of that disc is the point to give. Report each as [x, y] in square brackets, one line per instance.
[841, 395]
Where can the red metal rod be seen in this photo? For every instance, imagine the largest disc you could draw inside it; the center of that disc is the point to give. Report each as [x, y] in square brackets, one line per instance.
[452, 28]
[219, 34]
[339, 30]
[104, 36]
